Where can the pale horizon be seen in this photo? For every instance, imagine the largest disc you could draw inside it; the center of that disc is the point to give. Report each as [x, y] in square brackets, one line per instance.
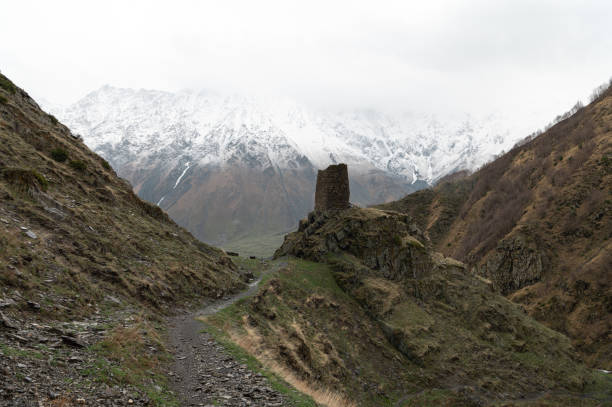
[529, 62]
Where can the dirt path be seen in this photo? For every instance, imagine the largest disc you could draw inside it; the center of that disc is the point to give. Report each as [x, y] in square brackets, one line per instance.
[204, 374]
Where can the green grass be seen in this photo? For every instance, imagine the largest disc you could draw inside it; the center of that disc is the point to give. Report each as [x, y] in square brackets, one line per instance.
[429, 397]
[255, 266]
[601, 386]
[121, 358]
[263, 245]
[24, 178]
[298, 281]
[10, 351]
[233, 314]
[314, 276]
[103, 371]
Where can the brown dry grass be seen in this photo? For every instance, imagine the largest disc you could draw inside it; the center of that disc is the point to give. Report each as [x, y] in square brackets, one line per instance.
[254, 344]
[554, 190]
[127, 345]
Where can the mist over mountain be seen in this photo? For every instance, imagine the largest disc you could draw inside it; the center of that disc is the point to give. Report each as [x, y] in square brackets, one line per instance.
[231, 166]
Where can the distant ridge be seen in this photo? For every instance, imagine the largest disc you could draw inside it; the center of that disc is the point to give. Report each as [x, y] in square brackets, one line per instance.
[252, 162]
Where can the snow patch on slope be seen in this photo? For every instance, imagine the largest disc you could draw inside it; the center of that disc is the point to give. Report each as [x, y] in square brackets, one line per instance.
[180, 176]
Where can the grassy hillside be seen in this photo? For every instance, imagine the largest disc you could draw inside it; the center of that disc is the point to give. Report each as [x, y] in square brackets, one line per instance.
[537, 222]
[368, 315]
[82, 257]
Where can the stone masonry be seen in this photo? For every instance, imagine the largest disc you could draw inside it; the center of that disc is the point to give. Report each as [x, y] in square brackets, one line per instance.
[332, 188]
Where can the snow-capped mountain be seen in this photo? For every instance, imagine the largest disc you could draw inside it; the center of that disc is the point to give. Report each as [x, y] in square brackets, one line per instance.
[213, 128]
[183, 150]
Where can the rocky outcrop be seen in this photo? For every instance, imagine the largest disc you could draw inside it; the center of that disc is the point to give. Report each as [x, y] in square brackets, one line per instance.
[386, 241]
[332, 191]
[516, 263]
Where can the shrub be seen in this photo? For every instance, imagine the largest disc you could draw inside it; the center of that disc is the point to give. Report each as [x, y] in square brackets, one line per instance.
[59, 155]
[151, 210]
[105, 164]
[397, 241]
[3, 100]
[606, 163]
[7, 85]
[53, 119]
[24, 179]
[78, 165]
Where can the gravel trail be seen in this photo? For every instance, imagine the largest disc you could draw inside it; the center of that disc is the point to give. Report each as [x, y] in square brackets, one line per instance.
[204, 374]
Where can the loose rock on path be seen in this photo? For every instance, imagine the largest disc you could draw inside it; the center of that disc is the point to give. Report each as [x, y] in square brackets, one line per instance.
[204, 374]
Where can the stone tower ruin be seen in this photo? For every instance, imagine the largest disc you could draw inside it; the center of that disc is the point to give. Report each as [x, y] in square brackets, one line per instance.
[332, 188]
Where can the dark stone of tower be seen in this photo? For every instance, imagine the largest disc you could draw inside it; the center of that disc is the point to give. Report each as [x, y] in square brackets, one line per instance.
[332, 188]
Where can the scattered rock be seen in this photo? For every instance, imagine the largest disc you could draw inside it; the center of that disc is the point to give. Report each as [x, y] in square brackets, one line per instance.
[115, 300]
[516, 262]
[7, 303]
[72, 341]
[54, 211]
[31, 234]
[6, 323]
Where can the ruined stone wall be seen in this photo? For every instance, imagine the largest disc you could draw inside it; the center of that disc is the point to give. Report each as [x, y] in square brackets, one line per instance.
[332, 191]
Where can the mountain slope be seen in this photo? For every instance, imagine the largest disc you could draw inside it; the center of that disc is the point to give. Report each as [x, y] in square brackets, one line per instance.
[538, 222]
[177, 149]
[87, 268]
[378, 318]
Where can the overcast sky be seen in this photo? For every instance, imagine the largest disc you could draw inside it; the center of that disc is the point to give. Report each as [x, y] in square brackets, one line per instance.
[521, 57]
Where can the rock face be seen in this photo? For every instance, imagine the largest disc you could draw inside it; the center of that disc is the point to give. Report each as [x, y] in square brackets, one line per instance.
[516, 263]
[332, 191]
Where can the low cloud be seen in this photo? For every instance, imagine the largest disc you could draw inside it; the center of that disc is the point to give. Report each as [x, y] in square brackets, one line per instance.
[527, 59]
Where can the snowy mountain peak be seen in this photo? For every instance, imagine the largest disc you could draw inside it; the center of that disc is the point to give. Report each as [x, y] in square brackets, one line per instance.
[209, 128]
